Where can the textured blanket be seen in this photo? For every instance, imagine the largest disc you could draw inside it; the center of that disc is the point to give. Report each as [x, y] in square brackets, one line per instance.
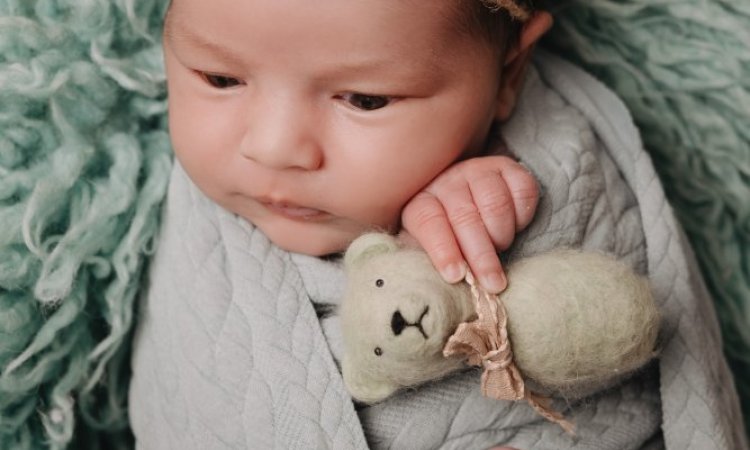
[230, 353]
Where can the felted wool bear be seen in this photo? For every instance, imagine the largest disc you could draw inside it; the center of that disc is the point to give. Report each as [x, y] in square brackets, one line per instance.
[577, 321]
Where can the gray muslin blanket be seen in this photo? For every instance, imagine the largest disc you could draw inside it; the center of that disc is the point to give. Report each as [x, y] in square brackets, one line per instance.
[230, 353]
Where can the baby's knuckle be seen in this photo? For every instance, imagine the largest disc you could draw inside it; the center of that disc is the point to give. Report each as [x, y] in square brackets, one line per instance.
[425, 217]
[495, 204]
[464, 215]
[526, 190]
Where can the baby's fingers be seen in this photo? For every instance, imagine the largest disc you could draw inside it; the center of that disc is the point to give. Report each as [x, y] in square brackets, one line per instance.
[496, 208]
[525, 193]
[471, 232]
[425, 219]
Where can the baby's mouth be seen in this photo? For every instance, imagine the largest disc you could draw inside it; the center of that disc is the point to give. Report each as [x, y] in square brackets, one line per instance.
[294, 212]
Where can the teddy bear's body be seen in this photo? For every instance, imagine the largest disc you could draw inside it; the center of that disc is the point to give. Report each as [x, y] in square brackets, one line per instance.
[577, 321]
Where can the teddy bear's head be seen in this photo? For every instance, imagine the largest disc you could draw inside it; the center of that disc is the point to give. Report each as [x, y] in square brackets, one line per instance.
[396, 316]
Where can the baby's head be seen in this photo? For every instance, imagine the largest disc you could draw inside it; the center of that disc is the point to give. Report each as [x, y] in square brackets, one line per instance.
[319, 120]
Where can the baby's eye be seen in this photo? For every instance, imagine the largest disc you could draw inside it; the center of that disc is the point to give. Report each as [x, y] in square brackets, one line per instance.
[220, 81]
[367, 102]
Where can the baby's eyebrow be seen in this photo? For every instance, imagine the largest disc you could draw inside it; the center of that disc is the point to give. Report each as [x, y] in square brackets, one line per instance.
[175, 31]
[388, 65]
[374, 65]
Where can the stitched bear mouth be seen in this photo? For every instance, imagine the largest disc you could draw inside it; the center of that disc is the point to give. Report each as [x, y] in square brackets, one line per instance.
[398, 323]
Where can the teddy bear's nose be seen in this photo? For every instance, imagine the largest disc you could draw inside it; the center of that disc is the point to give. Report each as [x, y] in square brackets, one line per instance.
[397, 323]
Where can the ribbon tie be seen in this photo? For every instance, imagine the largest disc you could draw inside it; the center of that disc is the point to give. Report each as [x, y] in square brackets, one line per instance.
[485, 343]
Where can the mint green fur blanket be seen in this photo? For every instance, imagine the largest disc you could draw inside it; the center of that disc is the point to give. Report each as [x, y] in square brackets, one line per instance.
[84, 160]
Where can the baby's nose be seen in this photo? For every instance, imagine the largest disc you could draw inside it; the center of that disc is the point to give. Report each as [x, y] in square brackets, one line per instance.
[282, 137]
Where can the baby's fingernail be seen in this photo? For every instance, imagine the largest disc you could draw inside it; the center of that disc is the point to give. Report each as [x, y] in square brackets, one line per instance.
[494, 282]
[454, 272]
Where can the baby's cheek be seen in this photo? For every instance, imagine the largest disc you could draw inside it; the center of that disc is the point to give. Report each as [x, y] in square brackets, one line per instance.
[384, 208]
[202, 171]
[385, 219]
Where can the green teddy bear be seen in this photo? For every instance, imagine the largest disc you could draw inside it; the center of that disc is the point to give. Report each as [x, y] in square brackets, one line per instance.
[570, 323]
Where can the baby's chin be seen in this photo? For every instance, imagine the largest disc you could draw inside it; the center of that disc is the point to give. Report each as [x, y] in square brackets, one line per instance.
[312, 248]
[314, 239]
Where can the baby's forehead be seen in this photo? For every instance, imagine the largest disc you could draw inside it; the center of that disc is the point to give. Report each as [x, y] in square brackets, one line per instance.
[473, 17]
[404, 31]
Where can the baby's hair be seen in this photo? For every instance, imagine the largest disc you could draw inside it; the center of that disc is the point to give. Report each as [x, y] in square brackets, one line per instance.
[499, 22]
[517, 9]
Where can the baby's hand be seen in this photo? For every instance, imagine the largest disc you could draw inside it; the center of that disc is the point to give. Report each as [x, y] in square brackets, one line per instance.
[470, 212]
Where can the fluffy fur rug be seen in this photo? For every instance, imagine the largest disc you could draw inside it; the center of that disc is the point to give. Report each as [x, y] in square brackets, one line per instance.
[84, 160]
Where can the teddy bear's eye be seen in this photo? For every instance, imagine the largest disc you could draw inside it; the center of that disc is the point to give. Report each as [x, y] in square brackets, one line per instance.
[379, 282]
[378, 351]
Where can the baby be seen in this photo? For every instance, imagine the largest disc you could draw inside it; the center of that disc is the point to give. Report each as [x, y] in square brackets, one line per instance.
[297, 126]
[317, 121]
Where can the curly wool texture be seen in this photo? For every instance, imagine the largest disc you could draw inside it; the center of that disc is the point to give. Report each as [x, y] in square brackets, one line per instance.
[84, 160]
[683, 69]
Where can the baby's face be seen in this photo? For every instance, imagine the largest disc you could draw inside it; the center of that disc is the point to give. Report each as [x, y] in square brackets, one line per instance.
[318, 120]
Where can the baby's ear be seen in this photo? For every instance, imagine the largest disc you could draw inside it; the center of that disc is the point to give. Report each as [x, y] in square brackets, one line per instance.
[517, 60]
[364, 387]
[367, 246]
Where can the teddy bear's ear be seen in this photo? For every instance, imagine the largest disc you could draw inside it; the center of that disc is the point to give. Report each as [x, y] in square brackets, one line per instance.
[364, 387]
[367, 246]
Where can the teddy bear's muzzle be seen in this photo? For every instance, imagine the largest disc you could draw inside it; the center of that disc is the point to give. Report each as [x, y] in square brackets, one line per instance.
[398, 323]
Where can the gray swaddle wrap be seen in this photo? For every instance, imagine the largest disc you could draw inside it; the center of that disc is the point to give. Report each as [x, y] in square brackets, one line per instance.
[229, 352]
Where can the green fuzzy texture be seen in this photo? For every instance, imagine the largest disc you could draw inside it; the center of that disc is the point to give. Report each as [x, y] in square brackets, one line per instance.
[683, 69]
[84, 161]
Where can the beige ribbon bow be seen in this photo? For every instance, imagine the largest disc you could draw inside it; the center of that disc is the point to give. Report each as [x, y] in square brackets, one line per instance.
[485, 342]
